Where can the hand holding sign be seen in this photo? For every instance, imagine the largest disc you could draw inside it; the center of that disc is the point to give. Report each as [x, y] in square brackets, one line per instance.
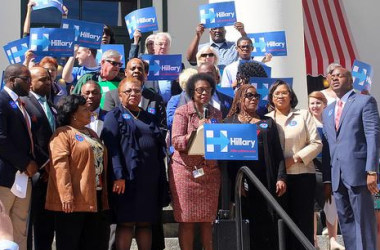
[42, 4]
[217, 14]
[87, 34]
[362, 74]
[269, 42]
[144, 20]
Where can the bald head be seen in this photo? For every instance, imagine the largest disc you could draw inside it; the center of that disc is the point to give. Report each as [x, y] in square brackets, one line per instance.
[210, 69]
[41, 81]
[17, 78]
[341, 81]
[135, 69]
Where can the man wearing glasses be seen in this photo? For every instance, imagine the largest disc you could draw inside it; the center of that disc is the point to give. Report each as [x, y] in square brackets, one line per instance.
[107, 77]
[244, 47]
[226, 49]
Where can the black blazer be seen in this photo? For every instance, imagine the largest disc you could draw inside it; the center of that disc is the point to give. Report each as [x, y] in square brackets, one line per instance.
[40, 127]
[15, 147]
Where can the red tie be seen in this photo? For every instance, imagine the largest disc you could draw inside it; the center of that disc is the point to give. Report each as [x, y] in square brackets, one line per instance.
[338, 114]
[23, 111]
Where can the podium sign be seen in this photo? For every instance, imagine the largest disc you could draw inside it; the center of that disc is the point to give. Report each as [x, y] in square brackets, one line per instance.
[231, 142]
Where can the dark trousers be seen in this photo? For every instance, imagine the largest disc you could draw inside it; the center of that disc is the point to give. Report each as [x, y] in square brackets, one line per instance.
[300, 191]
[82, 231]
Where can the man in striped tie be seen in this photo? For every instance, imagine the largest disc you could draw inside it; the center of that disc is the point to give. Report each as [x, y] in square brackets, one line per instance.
[350, 160]
[16, 150]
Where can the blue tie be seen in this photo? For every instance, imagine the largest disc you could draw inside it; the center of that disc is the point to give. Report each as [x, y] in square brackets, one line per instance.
[49, 114]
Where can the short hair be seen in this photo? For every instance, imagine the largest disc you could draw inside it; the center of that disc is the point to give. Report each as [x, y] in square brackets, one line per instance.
[250, 69]
[165, 34]
[128, 80]
[319, 96]
[185, 75]
[293, 97]
[207, 64]
[49, 59]
[109, 32]
[151, 37]
[110, 54]
[244, 38]
[331, 67]
[204, 49]
[235, 107]
[92, 82]
[13, 70]
[67, 106]
[93, 52]
[190, 86]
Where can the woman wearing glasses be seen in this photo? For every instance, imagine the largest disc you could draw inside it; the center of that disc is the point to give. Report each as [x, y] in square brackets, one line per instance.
[207, 54]
[300, 143]
[269, 168]
[139, 188]
[194, 182]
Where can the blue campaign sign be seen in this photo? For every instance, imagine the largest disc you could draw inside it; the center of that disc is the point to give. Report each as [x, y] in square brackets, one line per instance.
[263, 84]
[15, 50]
[163, 67]
[104, 47]
[217, 14]
[269, 42]
[144, 20]
[226, 90]
[87, 34]
[362, 74]
[52, 42]
[231, 141]
[42, 4]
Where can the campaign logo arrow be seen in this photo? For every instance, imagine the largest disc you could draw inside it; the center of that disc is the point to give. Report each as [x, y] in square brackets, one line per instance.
[361, 76]
[210, 15]
[263, 90]
[131, 24]
[222, 141]
[43, 42]
[260, 44]
[154, 67]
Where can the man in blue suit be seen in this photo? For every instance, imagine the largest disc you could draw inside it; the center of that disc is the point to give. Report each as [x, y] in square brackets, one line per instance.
[16, 148]
[350, 160]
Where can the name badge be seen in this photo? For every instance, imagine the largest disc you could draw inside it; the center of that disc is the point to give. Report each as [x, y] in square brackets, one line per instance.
[293, 123]
[264, 125]
[198, 172]
[13, 104]
[152, 111]
[79, 137]
[126, 116]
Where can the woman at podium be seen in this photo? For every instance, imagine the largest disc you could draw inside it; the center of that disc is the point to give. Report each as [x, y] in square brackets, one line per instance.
[194, 182]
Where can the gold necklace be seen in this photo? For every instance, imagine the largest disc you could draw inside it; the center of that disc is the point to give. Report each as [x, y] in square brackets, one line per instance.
[134, 116]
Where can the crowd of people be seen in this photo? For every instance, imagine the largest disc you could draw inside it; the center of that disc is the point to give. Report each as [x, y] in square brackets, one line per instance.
[103, 149]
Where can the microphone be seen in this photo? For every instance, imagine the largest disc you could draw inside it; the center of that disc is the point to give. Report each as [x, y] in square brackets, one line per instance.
[206, 112]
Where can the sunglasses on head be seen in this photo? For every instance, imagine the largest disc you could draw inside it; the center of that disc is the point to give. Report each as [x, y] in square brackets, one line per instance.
[116, 64]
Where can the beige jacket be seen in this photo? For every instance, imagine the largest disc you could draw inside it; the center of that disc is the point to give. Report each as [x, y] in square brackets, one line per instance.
[72, 172]
[299, 137]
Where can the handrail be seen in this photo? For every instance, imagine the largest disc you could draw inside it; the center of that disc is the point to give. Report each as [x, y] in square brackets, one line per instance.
[271, 201]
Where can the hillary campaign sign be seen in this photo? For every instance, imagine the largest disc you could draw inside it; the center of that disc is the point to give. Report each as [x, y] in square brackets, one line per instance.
[52, 42]
[230, 141]
[263, 84]
[361, 75]
[163, 67]
[87, 34]
[144, 20]
[269, 42]
[15, 50]
[104, 47]
[217, 14]
[42, 4]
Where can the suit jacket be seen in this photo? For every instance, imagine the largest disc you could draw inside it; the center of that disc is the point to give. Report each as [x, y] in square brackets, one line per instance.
[354, 148]
[150, 102]
[41, 129]
[15, 147]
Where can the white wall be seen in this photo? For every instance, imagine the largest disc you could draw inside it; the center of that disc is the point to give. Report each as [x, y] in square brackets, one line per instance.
[364, 22]
[10, 16]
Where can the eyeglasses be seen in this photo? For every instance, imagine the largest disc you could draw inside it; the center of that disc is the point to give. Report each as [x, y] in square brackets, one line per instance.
[129, 91]
[252, 96]
[208, 55]
[279, 94]
[162, 44]
[245, 46]
[116, 64]
[201, 90]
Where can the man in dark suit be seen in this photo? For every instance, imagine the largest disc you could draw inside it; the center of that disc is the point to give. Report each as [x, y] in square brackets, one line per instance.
[350, 160]
[16, 148]
[42, 114]
[150, 101]
[92, 92]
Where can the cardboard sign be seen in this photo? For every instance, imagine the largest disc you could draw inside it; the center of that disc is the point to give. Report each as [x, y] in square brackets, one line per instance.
[104, 47]
[144, 20]
[263, 84]
[87, 34]
[231, 142]
[52, 42]
[163, 67]
[42, 4]
[361, 75]
[269, 42]
[217, 14]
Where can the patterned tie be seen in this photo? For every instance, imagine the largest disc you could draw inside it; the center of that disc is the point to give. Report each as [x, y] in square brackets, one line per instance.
[338, 114]
[28, 125]
[49, 114]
